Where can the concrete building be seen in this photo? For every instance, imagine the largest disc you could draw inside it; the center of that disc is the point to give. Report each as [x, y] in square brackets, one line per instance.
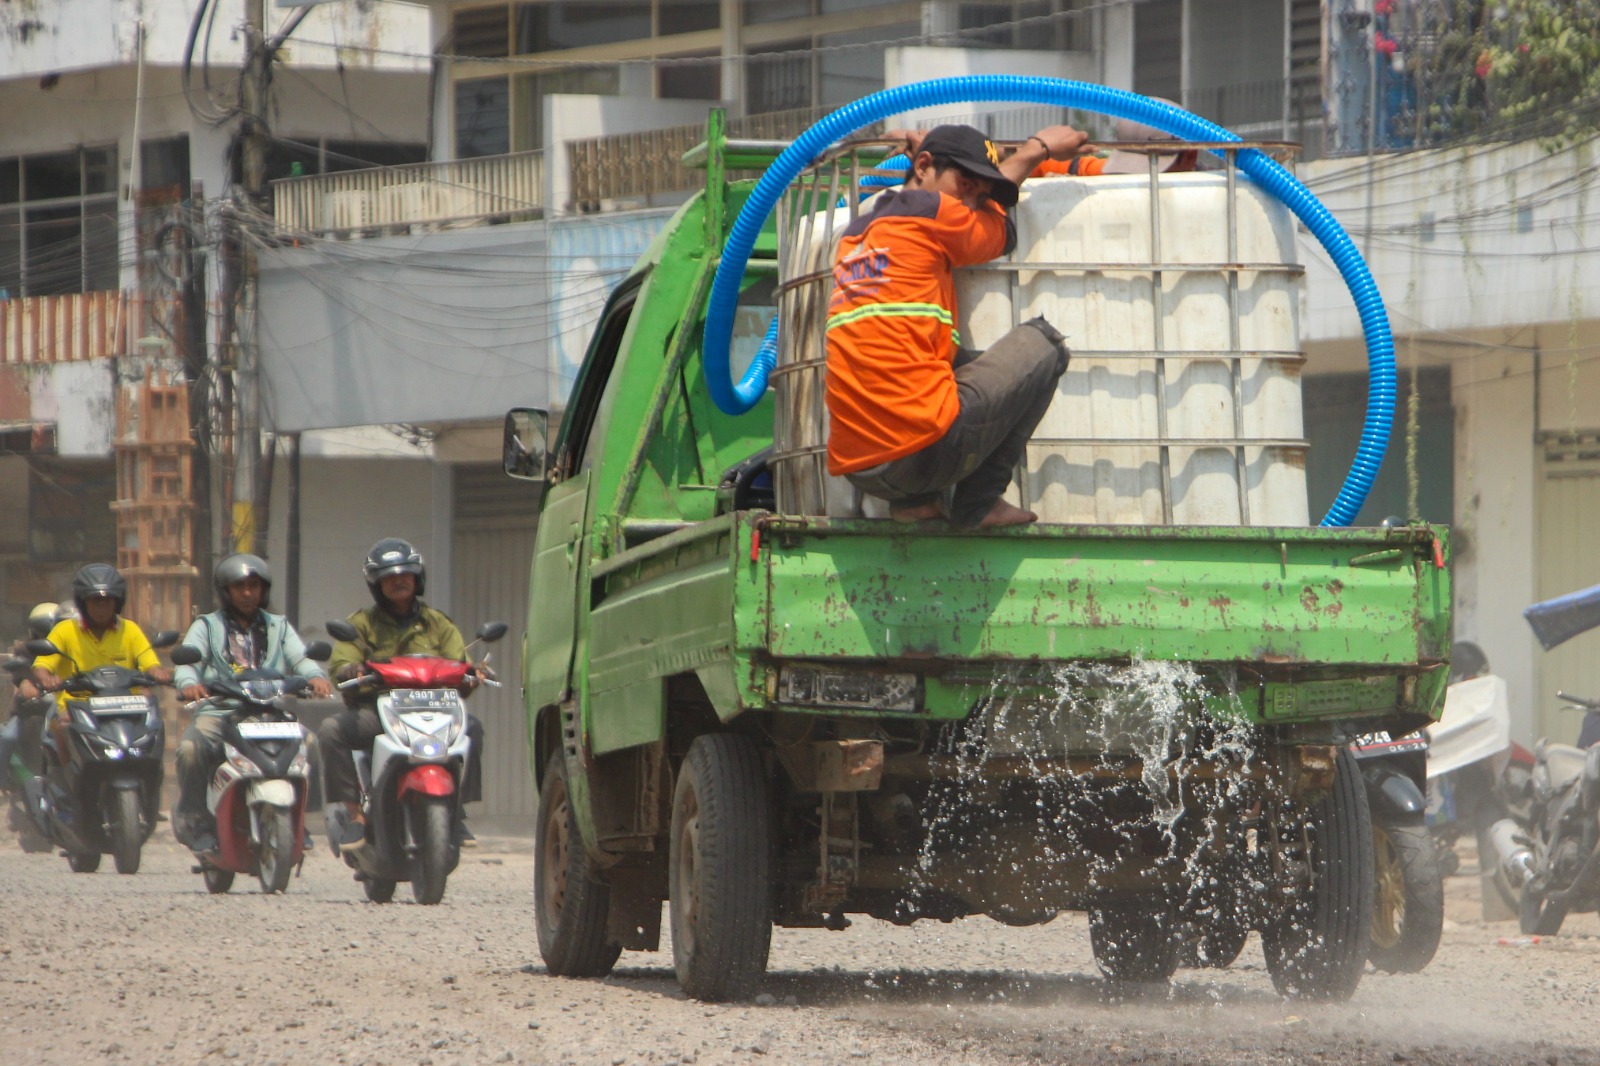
[118, 147]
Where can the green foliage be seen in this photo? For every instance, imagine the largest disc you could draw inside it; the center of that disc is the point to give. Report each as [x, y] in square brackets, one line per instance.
[1510, 68]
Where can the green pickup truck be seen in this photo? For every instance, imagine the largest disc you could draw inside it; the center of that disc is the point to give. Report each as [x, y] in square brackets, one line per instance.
[767, 714]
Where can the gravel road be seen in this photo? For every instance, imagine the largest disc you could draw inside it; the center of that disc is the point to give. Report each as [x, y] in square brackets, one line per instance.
[151, 969]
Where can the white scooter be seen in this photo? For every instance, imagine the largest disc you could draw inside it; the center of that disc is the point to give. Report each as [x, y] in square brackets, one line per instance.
[258, 794]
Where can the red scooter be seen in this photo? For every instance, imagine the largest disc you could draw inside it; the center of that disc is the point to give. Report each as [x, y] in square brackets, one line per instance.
[410, 781]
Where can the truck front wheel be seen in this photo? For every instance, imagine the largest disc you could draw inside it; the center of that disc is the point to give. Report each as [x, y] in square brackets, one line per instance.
[570, 905]
[718, 869]
[1316, 947]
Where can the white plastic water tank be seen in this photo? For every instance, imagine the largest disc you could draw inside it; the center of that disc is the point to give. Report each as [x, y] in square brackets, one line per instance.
[1211, 433]
[1124, 276]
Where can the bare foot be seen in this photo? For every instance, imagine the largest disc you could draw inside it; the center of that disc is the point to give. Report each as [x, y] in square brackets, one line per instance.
[1005, 514]
[920, 513]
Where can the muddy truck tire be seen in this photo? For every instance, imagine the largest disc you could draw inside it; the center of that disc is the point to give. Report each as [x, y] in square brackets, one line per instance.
[1317, 947]
[719, 869]
[570, 904]
[1134, 941]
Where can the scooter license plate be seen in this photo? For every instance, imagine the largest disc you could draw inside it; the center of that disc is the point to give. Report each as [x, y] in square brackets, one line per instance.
[270, 730]
[118, 705]
[406, 700]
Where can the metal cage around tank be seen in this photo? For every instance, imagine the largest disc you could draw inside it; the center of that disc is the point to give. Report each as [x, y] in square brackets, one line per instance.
[1159, 420]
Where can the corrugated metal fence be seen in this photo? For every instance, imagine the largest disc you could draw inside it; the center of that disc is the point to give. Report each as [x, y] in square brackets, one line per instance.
[495, 519]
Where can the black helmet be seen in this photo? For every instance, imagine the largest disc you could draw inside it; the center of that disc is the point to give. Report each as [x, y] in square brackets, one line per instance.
[43, 618]
[234, 569]
[392, 555]
[99, 579]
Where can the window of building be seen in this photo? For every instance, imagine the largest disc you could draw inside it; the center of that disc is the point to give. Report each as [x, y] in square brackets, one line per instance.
[58, 223]
[1045, 25]
[553, 27]
[481, 32]
[483, 117]
[164, 164]
[779, 79]
[691, 81]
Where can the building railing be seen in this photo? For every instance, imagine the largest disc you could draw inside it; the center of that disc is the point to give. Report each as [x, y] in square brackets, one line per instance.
[498, 187]
[60, 329]
[645, 169]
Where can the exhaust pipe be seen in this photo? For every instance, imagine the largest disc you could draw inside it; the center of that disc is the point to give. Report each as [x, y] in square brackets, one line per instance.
[1512, 851]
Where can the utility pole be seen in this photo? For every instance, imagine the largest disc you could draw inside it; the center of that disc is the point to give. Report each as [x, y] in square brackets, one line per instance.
[254, 142]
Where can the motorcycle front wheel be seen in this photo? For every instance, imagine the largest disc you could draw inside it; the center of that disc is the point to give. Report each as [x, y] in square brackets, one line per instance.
[378, 889]
[433, 821]
[83, 862]
[1407, 899]
[277, 849]
[217, 879]
[126, 838]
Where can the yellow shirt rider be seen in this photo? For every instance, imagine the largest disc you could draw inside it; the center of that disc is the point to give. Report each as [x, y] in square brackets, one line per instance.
[98, 637]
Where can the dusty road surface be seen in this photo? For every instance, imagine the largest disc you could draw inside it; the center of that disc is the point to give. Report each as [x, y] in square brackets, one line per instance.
[98, 968]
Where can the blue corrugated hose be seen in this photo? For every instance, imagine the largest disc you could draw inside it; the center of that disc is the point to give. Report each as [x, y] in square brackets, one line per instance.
[737, 398]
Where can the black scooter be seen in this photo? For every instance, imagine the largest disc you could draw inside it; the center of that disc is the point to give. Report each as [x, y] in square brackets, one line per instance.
[100, 788]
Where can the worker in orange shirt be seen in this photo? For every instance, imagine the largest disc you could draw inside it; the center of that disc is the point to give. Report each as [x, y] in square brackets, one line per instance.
[1125, 160]
[914, 419]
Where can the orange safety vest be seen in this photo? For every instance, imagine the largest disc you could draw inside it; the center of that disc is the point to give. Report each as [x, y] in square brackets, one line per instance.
[891, 335]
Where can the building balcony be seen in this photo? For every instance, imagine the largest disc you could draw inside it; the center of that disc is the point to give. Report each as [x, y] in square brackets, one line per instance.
[461, 192]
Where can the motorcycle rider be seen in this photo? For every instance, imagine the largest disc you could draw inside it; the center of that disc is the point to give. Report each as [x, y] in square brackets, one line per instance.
[397, 623]
[41, 620]
[239, 635]
[98, 636]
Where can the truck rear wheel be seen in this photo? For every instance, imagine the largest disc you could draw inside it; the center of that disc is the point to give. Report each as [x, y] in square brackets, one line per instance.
[1134, 941]
[718, 869]
[570, 905]
[1317, 947]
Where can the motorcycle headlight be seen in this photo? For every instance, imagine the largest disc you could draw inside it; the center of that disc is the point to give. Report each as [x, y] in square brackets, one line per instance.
[427, 746]
[394, 724]
[239, 761]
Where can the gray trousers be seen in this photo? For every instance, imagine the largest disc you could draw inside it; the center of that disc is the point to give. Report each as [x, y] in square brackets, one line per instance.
[1004, 393]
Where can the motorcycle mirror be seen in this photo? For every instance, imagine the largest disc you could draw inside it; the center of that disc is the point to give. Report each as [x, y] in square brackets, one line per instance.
[339, 629]
[525, 454]
[492, 631]
[186, 655]
[319, 651]
[41, 646]
[166, 638]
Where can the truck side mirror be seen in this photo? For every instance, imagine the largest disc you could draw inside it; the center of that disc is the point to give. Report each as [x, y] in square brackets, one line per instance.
[526, 455]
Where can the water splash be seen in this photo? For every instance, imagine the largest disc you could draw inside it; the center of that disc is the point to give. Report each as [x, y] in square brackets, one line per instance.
[1072, 774]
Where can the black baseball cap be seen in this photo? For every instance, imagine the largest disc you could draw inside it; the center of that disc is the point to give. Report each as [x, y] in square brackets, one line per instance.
[974, 153]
